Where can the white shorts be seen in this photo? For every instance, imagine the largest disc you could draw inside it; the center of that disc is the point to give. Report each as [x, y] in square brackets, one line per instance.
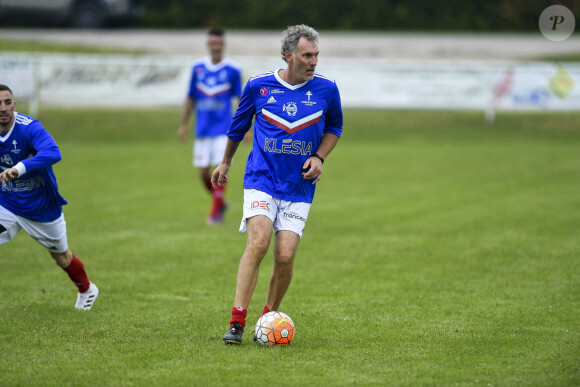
[51, 235]
[208, 151]
[284, 215]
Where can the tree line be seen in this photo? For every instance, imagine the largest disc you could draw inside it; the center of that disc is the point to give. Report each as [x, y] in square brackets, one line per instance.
[365, 15]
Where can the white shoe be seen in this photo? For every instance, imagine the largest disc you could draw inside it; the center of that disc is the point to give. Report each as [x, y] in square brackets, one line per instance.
[85, 300]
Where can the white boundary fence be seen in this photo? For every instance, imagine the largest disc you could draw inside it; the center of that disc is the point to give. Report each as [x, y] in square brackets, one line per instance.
[145, 80]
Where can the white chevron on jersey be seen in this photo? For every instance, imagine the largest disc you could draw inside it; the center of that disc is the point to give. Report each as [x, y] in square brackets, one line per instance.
[292, 127]
[215, 90]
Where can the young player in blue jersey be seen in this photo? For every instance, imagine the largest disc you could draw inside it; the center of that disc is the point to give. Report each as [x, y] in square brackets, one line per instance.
[29, 197]
[297, 122]
[215, 81]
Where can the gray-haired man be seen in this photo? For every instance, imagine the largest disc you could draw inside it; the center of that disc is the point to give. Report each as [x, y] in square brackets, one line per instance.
[297, 122]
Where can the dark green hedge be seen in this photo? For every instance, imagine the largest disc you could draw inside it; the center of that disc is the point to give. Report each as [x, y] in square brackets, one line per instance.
[393, 15]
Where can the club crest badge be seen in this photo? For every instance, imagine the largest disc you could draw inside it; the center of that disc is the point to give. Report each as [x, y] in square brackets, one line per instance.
[290, 108]
[6, 159]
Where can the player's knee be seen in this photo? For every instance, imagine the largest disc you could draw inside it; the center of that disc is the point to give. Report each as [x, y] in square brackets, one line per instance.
[62, 259]
[285, 257]
[258, 247]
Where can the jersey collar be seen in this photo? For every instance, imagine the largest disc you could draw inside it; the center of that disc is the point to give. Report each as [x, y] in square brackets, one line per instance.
[4, 137]
[214, 67]
[286, 84]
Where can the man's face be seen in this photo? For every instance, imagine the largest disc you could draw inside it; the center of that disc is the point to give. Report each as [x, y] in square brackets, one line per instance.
[216, 45]
[6, 108]
[304, 62]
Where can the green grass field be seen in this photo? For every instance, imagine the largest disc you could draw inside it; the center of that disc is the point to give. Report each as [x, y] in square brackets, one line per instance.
[39, 46]
[439, 251]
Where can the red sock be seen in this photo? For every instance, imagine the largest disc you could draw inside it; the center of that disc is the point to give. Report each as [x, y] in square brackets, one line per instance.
[218, 199]
[239, 314]
[266, 310]
[76, 272]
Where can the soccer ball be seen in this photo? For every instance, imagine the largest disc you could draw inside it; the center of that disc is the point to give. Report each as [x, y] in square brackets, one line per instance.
[274, 328]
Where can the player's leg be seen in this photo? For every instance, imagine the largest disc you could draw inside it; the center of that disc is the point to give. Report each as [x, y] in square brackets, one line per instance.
[259, 229]
[9, 225]
[74, 268]
[217, 148]
[201, 154]
[201, 160]
[288, 227]
[218, 204]
[258, 218]
[205, 176]
[52, 235]
[259, 236]
[285, 246]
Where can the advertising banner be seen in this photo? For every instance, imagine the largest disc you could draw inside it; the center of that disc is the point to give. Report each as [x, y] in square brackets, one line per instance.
[144, 80]
[18, 74]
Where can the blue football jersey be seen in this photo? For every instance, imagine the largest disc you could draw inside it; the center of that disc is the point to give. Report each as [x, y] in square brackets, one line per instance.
[288, 127]
[34, 195]
[212, 87]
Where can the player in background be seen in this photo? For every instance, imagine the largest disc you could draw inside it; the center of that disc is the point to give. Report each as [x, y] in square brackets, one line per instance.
[29, 197]
[215, 81]
[297, 122]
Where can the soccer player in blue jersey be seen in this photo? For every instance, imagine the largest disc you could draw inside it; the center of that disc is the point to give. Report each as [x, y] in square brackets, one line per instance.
[29, 197]
[215, 81]
[297, 122]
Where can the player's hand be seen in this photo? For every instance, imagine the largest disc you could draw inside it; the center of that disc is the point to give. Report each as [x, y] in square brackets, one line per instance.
[9, 174]
[312, 169]
[182, 133]
[218, 176]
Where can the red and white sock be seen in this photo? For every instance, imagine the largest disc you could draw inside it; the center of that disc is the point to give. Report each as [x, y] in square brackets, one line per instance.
[76, 272]
[239, 315]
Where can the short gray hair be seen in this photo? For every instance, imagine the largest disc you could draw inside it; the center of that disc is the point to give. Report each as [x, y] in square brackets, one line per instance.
[292, 35]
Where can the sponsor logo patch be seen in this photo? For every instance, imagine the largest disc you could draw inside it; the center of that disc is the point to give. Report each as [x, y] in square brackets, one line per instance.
[294, 216]
[260, 204]
[288, 146]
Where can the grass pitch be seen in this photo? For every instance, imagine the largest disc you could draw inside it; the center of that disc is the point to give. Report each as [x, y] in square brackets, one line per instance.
[439, 251]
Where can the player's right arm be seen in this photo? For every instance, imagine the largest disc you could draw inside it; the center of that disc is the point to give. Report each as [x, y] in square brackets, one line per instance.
[188, 106]
[187, 109]
[241, 123]
[219, 176]
[46, 153]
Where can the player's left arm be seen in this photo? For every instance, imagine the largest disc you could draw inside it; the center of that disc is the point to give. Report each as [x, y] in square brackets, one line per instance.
[331, 134]
[313, 165]
[46, 153]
